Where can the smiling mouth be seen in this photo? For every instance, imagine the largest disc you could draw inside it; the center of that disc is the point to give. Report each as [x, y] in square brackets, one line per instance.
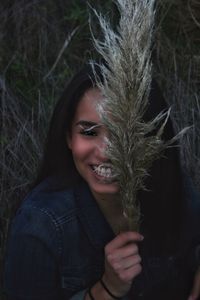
[105, 171]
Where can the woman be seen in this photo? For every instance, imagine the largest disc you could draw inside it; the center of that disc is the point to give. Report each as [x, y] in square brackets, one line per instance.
[69, 239]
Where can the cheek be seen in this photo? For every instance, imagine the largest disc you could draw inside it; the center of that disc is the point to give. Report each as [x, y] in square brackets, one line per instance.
[80, 149]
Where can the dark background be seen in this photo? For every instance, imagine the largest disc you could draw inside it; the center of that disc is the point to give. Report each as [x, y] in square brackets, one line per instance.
[44, 42]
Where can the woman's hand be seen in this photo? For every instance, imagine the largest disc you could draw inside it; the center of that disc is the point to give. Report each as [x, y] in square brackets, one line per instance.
[122, 262]
[195, 293]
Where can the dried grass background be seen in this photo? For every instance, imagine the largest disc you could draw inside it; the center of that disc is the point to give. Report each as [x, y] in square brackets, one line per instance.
[38, 53]
[178, 72]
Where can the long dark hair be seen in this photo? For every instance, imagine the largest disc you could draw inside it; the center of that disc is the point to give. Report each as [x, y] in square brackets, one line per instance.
[57, 158]
[161, 206]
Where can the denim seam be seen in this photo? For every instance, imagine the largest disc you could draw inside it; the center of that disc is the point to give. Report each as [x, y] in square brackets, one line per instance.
[67, 218]
[56, 224]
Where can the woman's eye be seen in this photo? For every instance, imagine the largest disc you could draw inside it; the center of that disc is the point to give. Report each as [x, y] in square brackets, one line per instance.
[89, 132]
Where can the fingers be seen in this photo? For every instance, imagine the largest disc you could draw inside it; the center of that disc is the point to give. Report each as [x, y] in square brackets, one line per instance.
[122, 261]
[122, 255]
[127, 255]
[127, 263]
[127, 274]
[126, 251]
[195, 293]
[122, 239]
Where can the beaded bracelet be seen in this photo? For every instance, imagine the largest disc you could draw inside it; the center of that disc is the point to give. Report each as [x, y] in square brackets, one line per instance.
[108, 291]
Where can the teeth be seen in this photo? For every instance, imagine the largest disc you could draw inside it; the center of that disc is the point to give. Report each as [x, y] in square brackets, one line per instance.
[104, 171]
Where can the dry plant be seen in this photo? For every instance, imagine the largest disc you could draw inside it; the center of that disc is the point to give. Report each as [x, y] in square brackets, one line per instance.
[132, 147]
[36, 59]
[187, 103]
[28, 29]
[183, 94]
[33, 70]
[178, 71]
[20, 149]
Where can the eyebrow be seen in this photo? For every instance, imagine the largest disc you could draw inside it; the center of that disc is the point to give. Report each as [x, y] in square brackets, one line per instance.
[86, 123]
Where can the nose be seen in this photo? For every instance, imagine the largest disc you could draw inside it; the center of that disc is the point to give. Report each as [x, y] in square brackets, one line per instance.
[101, 149]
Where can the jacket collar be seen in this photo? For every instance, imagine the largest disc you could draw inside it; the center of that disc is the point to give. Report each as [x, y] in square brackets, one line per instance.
[92, 219]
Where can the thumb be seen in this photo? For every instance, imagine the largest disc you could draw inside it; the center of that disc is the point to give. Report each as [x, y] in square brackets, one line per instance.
[195, 293]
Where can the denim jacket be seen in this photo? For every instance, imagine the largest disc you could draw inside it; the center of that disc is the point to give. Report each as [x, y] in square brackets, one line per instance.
[56, 249]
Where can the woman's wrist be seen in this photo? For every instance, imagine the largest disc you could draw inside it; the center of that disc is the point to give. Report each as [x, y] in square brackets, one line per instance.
[107, 289]
[98, 292]
[117, 291]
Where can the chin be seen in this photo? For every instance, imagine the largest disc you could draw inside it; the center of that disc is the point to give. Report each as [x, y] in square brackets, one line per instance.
[105, 189]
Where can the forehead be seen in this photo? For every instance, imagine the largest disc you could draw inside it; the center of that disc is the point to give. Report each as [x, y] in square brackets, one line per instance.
[87, 107]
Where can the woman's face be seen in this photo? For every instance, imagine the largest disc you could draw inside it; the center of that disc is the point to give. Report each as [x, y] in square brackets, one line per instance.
[87, 143]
